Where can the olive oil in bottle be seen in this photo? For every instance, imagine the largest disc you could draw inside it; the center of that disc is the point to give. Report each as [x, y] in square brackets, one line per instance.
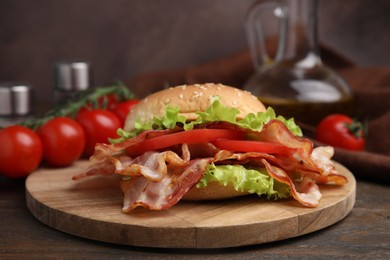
[307, 94]
[308, 112]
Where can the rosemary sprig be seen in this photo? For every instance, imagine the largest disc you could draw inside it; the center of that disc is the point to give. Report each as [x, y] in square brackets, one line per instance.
[82, 99]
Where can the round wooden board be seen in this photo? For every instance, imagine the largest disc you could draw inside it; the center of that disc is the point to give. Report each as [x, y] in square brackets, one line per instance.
[91, 208]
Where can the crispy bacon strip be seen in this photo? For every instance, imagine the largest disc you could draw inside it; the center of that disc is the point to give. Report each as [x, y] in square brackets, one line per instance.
[160, 179]
[109, 159]
[305, 190]
[102, 150]
[151, 165]
[163, 194]
[307, 160]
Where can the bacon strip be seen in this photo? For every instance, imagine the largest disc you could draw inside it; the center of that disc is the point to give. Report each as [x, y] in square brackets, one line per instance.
[160, 179]
[102, 150]
[151, 165]
[163, 194]
[305, 191]
[108, 159]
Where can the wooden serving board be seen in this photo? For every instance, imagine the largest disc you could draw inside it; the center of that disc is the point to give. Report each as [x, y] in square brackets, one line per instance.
[91, 208]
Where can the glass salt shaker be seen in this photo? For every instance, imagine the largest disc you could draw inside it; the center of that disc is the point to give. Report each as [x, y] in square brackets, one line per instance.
[16, 103]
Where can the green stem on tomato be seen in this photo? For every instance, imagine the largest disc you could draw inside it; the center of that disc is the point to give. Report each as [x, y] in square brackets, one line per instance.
[357, 128]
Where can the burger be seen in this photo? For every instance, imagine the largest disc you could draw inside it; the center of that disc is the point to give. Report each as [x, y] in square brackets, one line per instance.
[211, 142]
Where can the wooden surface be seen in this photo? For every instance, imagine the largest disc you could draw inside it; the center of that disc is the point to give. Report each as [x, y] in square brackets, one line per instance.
[363, 234]
[91, 208]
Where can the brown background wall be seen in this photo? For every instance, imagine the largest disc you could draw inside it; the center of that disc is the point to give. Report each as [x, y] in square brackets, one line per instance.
[123, 38]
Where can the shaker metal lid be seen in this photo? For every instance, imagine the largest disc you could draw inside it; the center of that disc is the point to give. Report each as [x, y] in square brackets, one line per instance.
[15, 99]
[71, 76]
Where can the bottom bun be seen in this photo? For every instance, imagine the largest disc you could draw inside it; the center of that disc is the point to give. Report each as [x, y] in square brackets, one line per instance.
[213, 191]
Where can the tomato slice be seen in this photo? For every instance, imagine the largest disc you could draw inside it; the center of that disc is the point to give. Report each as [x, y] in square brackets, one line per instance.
[252, 146]
[189, 137]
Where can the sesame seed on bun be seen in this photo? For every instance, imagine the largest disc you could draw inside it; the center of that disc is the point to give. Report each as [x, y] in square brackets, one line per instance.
[191, 99]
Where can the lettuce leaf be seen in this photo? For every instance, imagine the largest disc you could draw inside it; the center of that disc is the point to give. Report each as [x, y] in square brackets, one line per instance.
[254, 181]
[216, 112]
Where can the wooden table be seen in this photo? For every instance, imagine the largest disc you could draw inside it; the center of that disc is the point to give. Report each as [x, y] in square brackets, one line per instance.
[363, 234]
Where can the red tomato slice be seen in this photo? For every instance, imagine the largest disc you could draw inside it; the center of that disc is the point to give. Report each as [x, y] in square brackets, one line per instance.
[189, 137]
[252, 146]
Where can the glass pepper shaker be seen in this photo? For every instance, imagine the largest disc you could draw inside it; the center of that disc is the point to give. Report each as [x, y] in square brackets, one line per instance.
[69, 78]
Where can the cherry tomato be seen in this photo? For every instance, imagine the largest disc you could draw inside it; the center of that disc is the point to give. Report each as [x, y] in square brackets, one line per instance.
[21, 151]
[122, 109]
[99, 125]
[108, 101]
[341, 131]
[63, 141]
[105, 102]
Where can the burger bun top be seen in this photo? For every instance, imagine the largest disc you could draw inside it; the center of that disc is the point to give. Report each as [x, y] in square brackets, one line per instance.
[191, 99]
